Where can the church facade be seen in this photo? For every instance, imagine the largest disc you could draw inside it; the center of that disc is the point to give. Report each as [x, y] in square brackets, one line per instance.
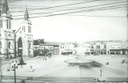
[18, 41]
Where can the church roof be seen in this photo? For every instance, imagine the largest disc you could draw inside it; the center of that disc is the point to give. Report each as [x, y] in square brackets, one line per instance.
[5, 7]
[26, 15]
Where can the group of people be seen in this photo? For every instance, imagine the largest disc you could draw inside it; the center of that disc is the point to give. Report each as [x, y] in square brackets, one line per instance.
[45, 53]
[12, 65]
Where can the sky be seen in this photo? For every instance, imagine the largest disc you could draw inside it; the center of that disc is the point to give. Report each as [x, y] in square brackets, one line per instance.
[76, 27]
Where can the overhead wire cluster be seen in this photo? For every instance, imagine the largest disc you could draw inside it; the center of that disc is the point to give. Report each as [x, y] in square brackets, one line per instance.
[68, 9]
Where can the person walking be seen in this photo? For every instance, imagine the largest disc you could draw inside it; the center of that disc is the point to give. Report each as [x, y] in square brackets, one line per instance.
[31, 69]
[107, 62]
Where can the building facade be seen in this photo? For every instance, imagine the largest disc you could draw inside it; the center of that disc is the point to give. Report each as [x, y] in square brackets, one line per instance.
[106, 47]
[100, 47]
[24, 37]
[52, 48]
[6, 32]
[117, 47]
[20, 40]
[67, 48]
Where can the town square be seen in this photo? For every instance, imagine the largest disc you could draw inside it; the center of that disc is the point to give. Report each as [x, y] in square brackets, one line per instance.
[66, 41]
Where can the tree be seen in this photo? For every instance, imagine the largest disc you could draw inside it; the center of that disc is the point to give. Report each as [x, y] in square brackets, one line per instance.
[38, 41]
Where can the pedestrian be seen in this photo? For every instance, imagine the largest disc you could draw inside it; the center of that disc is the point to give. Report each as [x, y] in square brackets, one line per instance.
[7, 69]
[123, 61]
[31, 69]
[107, 62]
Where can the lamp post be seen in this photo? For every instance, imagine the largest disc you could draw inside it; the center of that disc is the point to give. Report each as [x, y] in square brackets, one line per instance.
[14, 71]
[14, 56]
[0, 70]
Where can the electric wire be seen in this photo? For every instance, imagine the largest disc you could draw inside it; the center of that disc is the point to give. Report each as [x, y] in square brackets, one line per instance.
[35, 9]
[81, 11]
[59, 5]
[81, 8]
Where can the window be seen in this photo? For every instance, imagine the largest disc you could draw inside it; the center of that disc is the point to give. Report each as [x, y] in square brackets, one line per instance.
[104, 46]
[9, 35]
[29, 45]
[8, 24]
[1, 23]
[29, 29]
[24, 28]
[98, 46]
[0, 44]
[91, 46]
[9, 44]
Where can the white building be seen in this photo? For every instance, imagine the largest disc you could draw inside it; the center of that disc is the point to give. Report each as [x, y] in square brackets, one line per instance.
[67, 48]
[23, 36]
[117, 47]
[6, 32]
[87, 48]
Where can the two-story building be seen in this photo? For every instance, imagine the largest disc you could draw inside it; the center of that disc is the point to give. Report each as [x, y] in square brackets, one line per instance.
[67, 48]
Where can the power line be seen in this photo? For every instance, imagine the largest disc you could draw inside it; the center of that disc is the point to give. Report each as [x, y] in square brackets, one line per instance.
[67, 13]
[14, 1]
[60, 5]
[78, 8]
[100, 16]
[85, 10]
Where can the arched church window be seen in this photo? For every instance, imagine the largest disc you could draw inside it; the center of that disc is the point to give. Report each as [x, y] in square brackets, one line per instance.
[8, 24]
[29, 45]
[1, 23]
[0, 35]
[9, 35]
[0, 44]
[9, 44]
[24, 28]
[29, 29]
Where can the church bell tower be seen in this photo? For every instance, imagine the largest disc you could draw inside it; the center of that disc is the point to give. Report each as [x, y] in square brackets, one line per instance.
[27, 36]
[6, 32]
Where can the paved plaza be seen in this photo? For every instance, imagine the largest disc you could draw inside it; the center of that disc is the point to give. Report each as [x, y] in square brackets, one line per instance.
[55, 68]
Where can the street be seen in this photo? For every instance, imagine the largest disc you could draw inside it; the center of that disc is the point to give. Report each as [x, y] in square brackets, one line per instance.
[55, 69]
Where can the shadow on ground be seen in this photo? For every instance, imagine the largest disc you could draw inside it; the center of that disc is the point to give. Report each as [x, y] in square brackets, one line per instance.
[91, 64]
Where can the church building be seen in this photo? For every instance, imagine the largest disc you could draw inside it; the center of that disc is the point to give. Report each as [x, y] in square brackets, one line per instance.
[24, 37]
[18, 41]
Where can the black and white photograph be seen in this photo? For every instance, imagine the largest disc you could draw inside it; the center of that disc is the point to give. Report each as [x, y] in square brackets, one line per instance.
[63, 41]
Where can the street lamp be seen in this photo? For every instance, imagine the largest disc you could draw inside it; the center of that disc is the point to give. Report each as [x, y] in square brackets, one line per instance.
[14, 66]
[0, 70]
[14, 56]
